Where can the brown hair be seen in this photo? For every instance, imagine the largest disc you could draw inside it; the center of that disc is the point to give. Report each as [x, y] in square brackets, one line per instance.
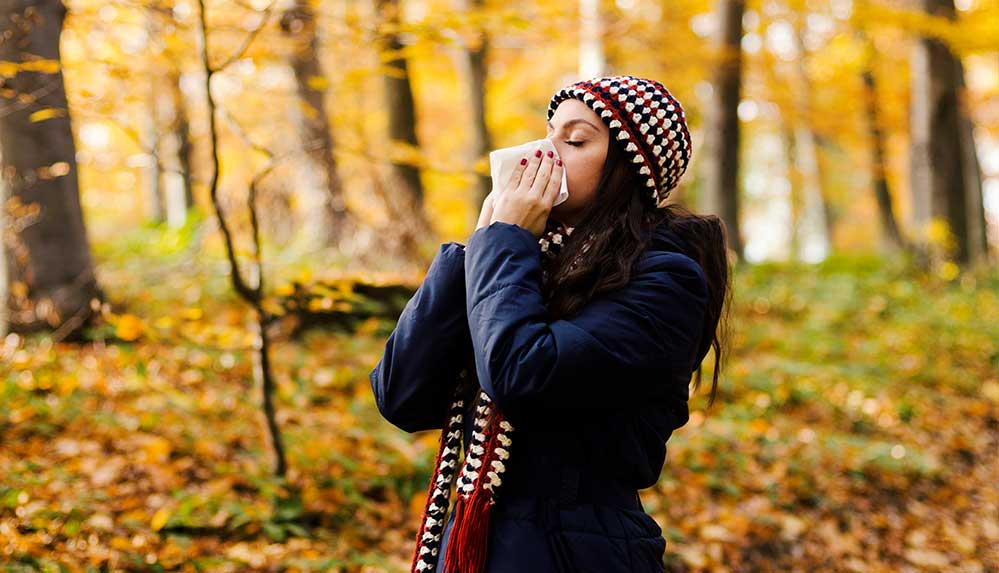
[620, 221]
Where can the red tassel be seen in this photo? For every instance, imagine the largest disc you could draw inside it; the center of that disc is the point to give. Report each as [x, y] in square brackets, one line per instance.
[474, 540]
[468, 542]
[450, 556]
[467, 546]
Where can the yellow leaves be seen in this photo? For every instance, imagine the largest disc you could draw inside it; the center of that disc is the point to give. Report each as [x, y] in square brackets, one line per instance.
[19, 289]
[938, 232]
[405, 153]
[327, 303]
[272, 306]
[417, 503]
[128, 327]
[759, 426]
[842, 56]
[46, 113]
[975, 32]
[41, 66]
[10, 69]
[948, 270]
[154, 449]
[286, 289]
[318, 83]
[307, 110]
[192, 313]
[160, 518]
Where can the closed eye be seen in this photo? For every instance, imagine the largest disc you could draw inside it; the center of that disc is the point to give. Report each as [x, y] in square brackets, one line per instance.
[574, 143]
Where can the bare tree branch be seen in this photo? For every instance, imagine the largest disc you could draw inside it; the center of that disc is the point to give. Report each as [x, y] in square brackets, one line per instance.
[248, 39]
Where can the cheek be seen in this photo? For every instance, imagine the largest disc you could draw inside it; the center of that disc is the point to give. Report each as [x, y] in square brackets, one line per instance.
[582, 167]
[582, 178]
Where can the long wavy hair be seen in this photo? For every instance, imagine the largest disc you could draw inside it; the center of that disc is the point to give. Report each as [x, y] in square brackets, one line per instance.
[621, 220]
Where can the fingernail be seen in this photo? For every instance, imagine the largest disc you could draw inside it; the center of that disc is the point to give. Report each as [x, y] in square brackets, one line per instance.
[550, 154]
[559, 162]
[523, 161]
[537, 153]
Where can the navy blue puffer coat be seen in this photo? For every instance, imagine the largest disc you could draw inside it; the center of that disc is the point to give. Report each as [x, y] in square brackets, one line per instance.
[592, 399]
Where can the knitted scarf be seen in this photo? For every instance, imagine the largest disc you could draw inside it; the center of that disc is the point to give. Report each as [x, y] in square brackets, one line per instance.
[480, 475]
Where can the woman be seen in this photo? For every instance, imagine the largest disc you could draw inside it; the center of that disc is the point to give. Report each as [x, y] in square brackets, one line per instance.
[557, 347]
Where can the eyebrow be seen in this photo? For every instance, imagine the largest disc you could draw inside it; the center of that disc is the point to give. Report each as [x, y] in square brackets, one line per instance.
[574, 121]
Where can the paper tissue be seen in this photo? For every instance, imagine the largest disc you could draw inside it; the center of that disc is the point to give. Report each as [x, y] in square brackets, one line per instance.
[503, 161]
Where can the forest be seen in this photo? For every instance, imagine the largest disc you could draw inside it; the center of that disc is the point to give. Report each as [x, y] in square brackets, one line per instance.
[214, 211]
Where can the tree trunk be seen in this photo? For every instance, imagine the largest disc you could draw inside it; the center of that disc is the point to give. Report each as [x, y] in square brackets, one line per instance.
[815, 232]
[405, 191]
[939, 175]
[399, 99]
[150, 129]
[891, 239]
[178, 191]
[720, 193]
[53, 258]
[794, 179]
[332, 219]
[4, 281]
[978, 242]
[475, 68]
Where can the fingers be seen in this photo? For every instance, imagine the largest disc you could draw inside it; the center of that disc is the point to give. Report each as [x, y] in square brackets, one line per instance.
[544, 174]
[531, 170]
[554, 184]
[517, 174]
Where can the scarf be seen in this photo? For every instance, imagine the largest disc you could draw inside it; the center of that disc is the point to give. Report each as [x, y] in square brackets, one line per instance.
[480, 475]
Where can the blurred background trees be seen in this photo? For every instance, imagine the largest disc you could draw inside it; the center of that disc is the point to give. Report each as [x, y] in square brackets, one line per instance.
[819, 127]
[190, 187]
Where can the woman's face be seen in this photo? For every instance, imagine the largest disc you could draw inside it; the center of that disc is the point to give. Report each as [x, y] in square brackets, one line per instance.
[581, 138]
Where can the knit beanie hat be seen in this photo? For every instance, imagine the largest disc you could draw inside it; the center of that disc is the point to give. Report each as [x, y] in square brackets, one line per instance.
[645, 120]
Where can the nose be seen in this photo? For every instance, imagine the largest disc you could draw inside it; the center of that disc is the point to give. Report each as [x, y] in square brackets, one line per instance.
[558, 150]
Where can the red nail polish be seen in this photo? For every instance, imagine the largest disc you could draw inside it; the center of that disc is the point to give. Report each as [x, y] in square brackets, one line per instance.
[523, 161]
[550, 154]
[559, 162]
[537, 153]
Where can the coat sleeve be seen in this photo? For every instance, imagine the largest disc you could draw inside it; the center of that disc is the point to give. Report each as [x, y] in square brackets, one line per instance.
[610, 354]
[414, 379]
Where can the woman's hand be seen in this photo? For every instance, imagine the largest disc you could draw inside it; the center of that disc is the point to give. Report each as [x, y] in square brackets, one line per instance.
[527, 198]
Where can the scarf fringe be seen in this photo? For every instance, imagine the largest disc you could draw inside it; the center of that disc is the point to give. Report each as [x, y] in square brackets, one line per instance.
[482, 470]
[468, 543]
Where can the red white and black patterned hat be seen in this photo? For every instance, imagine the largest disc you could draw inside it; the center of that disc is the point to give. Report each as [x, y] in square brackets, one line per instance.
[645, 119]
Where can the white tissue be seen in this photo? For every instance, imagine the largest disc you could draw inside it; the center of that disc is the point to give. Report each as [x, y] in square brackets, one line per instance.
[503, 161]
